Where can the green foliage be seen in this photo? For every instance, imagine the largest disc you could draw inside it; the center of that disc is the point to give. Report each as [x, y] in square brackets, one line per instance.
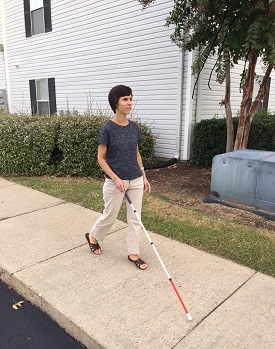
[147, 144]
[262, 133]
[231, 31]
[145, 3]
[239, 27]
[57, 145]
[214, 26]
[209, 138]
[77, 144]
[26, 145]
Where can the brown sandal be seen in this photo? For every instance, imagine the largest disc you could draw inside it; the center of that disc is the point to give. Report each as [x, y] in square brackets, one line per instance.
[138, 262]
[93, 247]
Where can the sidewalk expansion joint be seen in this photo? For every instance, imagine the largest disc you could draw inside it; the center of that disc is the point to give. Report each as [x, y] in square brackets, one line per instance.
[39, 209]
[218, 306]
[47, 259]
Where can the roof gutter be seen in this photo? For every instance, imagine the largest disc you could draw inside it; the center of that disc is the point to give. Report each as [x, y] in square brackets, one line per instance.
[189, 108]
[179, 106]
[6, 62]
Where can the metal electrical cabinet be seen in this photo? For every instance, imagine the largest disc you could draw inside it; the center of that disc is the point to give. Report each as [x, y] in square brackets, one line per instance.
[245, 176]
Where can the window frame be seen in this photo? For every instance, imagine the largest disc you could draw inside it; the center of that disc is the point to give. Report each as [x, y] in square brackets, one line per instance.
[51, 96]
[47, 17]
[39, 101]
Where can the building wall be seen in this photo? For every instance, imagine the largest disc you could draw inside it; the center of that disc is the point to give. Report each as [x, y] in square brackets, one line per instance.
[3, 80]
[208, 100]
[93, 46]
[96, 44]
[2, 62]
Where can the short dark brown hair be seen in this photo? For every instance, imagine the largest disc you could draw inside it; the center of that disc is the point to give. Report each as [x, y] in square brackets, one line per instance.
[117, 92]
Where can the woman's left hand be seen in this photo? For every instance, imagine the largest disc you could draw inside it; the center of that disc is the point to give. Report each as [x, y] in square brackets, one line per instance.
[147, 186]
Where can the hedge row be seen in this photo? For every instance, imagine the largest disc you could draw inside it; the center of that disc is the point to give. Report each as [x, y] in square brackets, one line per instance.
[57, 145]
[209, 137]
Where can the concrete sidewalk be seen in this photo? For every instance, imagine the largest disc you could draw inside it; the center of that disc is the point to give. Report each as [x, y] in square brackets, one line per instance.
[106, 302]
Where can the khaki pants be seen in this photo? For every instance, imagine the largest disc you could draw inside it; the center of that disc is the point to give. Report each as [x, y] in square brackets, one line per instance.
[113, 198]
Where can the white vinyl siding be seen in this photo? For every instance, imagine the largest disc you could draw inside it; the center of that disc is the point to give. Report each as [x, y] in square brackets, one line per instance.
[2, 64]
[95, 45]
[271, 102]
[2, 71]
[3, 80]
[209, 100]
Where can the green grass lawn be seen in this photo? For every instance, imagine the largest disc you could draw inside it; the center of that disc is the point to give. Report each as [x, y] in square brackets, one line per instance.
[252, 247]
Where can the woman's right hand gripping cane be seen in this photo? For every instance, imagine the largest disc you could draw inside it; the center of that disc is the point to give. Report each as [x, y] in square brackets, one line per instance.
[101, 156]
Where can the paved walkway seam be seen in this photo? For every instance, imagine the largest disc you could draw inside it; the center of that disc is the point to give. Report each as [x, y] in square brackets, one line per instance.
[221, 303]
[39, 209]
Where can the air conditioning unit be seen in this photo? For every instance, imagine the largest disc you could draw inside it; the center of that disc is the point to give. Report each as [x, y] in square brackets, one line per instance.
[246, 177]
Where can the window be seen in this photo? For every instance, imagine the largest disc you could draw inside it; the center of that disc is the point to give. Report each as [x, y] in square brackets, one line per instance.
[37, 16]
[264, 102]
[43, 99]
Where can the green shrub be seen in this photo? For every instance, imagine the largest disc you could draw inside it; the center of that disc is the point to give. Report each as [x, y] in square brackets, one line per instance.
[78, 143]
[147, 144]
[26, 145]
[209, 137]
[57, 145]
[262, 133]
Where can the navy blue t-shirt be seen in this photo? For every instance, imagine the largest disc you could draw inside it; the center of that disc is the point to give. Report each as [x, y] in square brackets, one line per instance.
[121, 142]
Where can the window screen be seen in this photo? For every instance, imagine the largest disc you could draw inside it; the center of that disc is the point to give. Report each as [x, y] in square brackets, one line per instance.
[42, 90]
[43, 107]
[37, 21]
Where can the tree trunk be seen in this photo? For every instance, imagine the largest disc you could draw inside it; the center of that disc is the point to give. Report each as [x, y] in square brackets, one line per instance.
[249, 116]
[247, 95]
[227, 104]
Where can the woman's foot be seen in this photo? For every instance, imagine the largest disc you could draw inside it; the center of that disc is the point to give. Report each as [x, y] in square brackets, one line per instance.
[140, 264]
[93, 244]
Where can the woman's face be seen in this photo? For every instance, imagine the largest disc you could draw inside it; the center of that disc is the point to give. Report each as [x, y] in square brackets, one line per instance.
[124, 105]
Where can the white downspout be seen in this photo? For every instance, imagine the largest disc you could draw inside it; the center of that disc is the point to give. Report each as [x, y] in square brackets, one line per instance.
[179, 106]
[6, 62]
[189, 108]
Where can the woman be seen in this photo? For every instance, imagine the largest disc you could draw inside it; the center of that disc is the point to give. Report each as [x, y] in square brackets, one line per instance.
[119, 158]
